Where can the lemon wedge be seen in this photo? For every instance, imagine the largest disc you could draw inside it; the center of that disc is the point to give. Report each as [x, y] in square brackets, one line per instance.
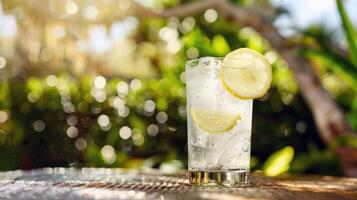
[246, 73]
[214, 121]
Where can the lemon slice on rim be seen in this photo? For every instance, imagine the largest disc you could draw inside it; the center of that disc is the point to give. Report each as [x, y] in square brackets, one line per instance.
[246, 73]
[214, 121]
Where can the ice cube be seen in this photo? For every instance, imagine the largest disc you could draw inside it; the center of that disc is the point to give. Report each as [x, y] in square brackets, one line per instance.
[236, 153]
[202, 158]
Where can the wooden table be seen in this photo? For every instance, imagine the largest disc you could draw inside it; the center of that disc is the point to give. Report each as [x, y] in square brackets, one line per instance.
[100, 183]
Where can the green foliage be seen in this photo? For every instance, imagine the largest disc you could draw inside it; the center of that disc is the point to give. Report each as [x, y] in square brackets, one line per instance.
[335, 63]
[321, 49]
[344, 141]
[316, 160]
[220, 45]
[350, 32]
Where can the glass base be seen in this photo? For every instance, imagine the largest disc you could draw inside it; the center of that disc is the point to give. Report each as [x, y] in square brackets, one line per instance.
[228, 178]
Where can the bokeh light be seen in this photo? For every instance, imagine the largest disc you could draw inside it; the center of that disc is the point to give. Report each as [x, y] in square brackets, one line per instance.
[80, 144]
[149, 106]
[137, 137]
[125, 132]
[161, 117]
[135, 84]
[152, 130]
[51, 80]
[192, 53]
[187, 25]
[211, 15]
[3, 116]
[71, 7]
[72, 132]
[72, 120]
[122, 88]
[39, 125]
[100, 82]
[103, 120]
[2, 62]
[108, 154]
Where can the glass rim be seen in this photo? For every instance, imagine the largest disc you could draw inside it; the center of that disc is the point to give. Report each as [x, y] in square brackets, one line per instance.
[195, 61]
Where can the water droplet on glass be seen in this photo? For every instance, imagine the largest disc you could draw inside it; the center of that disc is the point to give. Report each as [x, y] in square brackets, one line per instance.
[245, 148]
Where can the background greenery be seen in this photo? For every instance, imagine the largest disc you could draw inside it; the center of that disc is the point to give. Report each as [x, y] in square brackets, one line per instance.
[56, 110]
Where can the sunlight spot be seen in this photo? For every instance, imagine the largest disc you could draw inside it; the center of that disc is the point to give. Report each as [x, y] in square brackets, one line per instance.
[137, 137]
[3, 116]
[125, 132]
[272, 56]
[211, 15]
[33, 96]
[72, 120]
[72, 132]
[192, 53]
[71, 7]
[2, 62]
[103, 120]
[152, 130]
[80, 144]
[39, 125]
[100, 82]
[122, 88]
[135, 84]
[118, 103]
[123, 28]
[173, 46]
[8, 25]
[108, 154]
[182, 111]
[90, 12]
[168, 34]
[187, 25]
[51, 80]
[123, 112]
[161, 117]
[183, 77]
[149, 106]
[301, 127]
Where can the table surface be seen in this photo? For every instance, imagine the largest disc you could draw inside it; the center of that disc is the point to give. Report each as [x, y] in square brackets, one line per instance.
[102, 183]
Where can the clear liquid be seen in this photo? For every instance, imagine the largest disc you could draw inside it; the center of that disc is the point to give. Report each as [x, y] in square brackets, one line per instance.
[223, 151]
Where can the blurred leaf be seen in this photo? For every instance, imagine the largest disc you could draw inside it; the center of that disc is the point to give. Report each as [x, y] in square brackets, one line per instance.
[349, 31]
[352, 118]
[220, 45]
[4, 94]
[319, 32]
[134, 163]
[278, 162]
[137, 122]
[34, 84]
[337, 64]
[321, 161]
[344, 141]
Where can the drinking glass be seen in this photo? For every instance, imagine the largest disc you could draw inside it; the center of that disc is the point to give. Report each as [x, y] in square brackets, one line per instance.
[219, 127]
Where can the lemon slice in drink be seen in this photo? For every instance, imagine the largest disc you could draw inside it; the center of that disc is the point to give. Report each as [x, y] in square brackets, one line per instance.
[214, 121]
[246, 73]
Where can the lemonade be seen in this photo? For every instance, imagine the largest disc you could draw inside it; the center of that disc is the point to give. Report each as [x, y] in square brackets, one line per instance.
[219, 111]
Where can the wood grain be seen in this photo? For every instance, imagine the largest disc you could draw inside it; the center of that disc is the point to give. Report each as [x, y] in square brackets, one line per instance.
[90, 183]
